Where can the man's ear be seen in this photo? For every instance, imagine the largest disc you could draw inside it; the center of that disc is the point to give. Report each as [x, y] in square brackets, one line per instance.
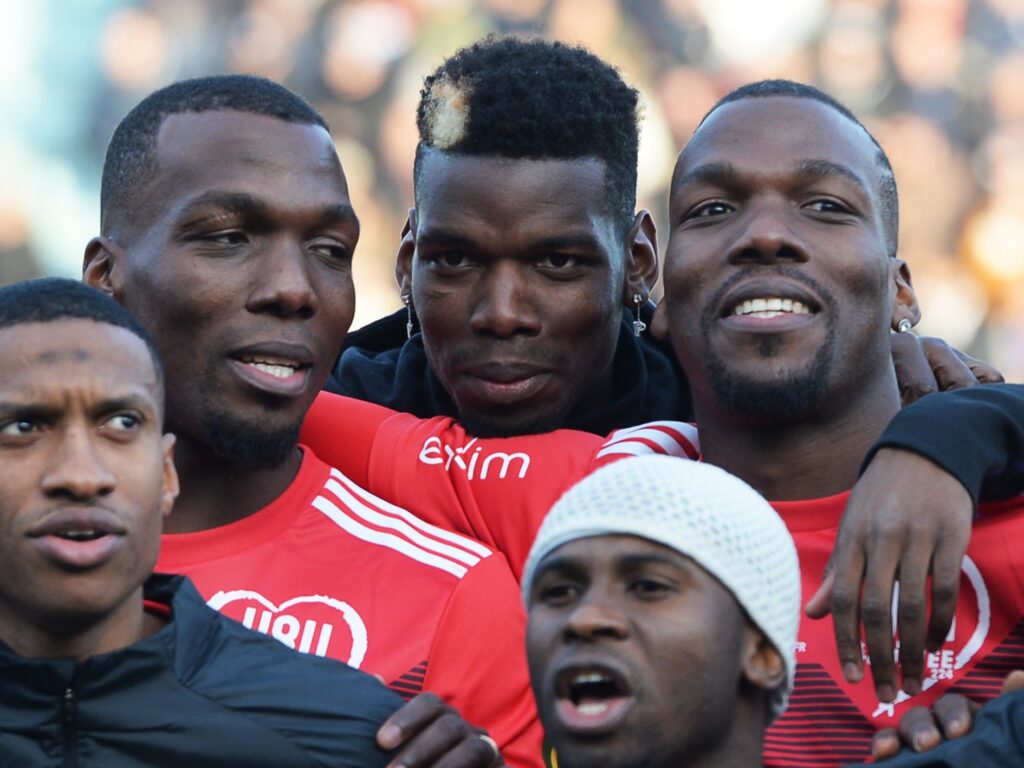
[763, 666]
[171, 486]
[406, 251]
[641, 260]
[103, 265]
[904, 306]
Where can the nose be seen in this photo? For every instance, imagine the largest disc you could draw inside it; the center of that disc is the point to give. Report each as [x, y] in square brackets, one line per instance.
[76, 469]
[767, 235]
[504, 306]
[595, 618]
[283, 283]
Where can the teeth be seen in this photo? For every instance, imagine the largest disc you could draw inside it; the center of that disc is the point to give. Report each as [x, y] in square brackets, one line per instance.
[592, 708]
[770, 306]
[588, 677]
[278, 371]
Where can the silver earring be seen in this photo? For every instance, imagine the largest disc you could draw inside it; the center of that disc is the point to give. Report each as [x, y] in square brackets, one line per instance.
[904, 325]
[407, 300]
[639, 326]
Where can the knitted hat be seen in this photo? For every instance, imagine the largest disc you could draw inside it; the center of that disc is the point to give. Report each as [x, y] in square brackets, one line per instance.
[702, 512]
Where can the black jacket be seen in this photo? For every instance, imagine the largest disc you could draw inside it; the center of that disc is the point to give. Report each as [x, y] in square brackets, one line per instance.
[380, 365]
[203, 691]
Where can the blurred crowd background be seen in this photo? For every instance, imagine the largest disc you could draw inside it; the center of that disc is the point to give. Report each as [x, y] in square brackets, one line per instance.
[940, 83]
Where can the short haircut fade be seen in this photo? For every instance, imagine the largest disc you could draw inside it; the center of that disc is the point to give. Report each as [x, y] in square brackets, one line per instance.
[131, 154]
[765, 88]
[538, 100]
[52, 299]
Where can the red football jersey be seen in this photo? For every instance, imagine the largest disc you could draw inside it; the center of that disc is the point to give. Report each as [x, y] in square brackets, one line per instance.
[497, 489]
[830, 722]
[500, 489]
[327, 568]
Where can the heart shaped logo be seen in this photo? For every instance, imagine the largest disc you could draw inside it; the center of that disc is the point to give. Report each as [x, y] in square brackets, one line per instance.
[309, 623]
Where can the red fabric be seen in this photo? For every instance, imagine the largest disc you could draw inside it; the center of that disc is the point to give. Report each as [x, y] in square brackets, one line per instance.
[330, 569]
[496, 490]
[830, 722]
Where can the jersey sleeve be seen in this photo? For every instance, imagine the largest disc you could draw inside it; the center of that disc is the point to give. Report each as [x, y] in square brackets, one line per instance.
[496, 490]
[342, 431]
[478, 662]
[975, 434]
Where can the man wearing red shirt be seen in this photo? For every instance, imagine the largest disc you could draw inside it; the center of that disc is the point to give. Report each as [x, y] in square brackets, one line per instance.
[781, 290]
[227, 230]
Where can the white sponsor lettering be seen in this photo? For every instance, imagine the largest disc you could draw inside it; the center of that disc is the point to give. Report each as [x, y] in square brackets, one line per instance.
[305, 635]
[476, 464]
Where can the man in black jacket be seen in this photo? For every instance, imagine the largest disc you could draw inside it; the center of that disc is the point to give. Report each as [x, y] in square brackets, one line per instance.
[102, 664]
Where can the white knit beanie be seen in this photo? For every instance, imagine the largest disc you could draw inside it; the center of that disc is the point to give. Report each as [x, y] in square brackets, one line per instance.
[702, 512]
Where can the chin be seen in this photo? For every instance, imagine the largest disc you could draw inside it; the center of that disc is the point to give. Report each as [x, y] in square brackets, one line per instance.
[524, 422]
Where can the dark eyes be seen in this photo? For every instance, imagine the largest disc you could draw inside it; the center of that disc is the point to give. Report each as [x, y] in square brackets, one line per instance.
[709, 210]
[558, 593]
[825, 205]
[123, 422]
[18, 428]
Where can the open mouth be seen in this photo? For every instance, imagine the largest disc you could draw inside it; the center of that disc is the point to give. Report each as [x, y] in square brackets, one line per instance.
[591, 698]
[275, 373]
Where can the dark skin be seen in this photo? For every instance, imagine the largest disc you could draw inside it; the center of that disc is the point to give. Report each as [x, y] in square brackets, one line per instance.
[796, 212]
[237, 257]
[923, 728]
[672, 638]
[81, 449]
[519, 286]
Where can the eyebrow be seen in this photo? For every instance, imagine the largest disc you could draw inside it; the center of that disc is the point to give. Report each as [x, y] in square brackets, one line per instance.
[436, 237]
[247, 204]
[725, 174]
[623, 562]
[15, 409]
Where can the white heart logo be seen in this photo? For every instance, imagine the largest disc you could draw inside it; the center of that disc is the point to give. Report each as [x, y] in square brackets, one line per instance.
[294, 633]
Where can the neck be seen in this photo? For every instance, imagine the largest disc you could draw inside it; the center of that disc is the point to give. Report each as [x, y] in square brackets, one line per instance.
[217, 491]
[810, 455]
[78, 638]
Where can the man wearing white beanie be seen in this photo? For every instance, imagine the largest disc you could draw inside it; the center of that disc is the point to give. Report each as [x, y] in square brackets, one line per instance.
[663, 599]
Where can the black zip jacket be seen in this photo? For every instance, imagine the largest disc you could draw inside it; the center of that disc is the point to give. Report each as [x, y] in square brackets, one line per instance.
[203, 691]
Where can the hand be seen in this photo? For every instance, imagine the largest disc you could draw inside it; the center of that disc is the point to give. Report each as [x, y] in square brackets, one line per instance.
[923, 729]
[432, 733]
[925, 364]
[907, 519]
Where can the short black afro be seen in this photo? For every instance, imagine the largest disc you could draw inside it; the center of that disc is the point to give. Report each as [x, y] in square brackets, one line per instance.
[888, 193]
[534, 99]
[51, 299]
[131, 155]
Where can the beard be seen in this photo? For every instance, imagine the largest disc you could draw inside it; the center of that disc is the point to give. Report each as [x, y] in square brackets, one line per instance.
[252, 444]
[780, 393]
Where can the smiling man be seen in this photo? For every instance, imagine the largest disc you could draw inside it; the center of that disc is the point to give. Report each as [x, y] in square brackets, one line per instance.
[664, 637]
[228, 230]
[101, 664]
[782, 288]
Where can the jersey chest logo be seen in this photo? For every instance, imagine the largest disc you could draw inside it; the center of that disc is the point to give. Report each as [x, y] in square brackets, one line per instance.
[473, 461]
[315, 624]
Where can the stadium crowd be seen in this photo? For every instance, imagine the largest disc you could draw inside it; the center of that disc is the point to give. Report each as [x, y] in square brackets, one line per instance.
[560, 524]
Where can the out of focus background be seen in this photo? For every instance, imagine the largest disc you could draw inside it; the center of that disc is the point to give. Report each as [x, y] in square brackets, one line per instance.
[939, 82]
